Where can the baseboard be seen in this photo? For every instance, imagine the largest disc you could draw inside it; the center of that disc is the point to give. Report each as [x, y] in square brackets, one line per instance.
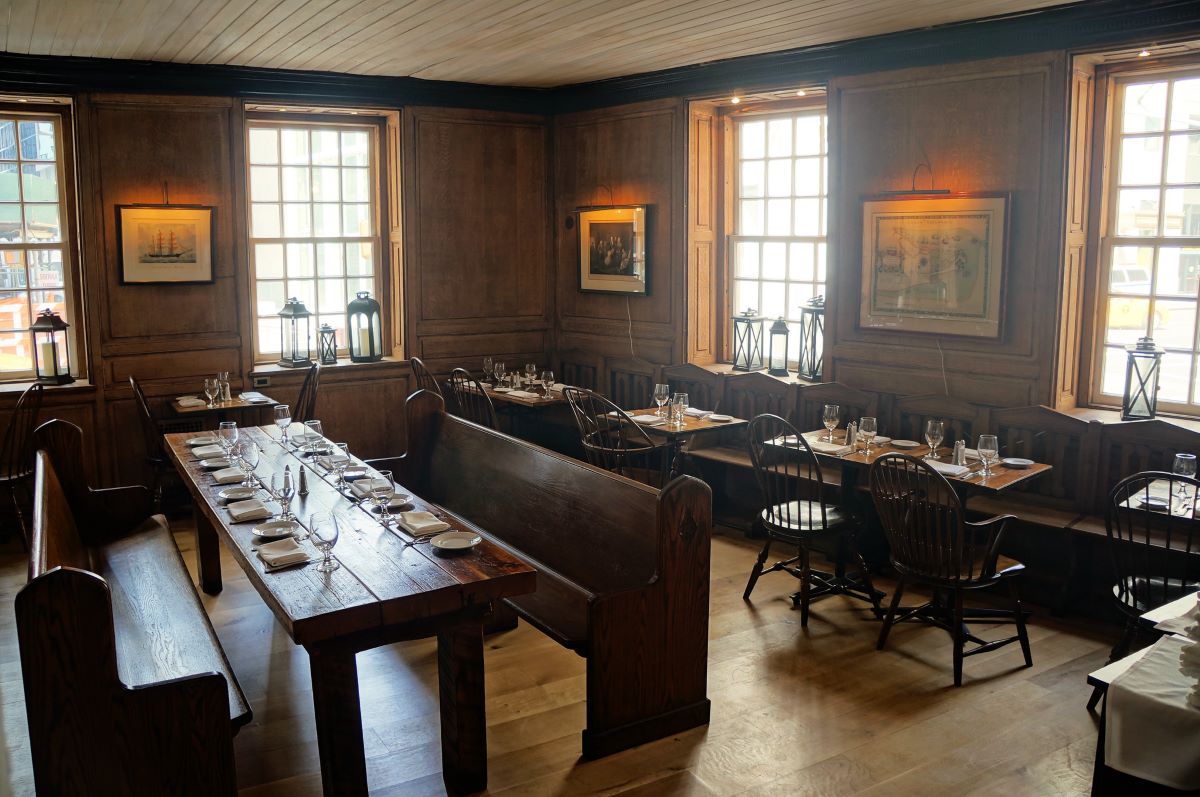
[597, 744]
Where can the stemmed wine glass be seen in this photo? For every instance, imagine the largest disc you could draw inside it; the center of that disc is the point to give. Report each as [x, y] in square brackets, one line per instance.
[867, 427]
[283, 494]
[246, 457]
[662, 394]
[498, 370]
[934, 432]
[989, 446]
[530, 372]
[227, 436]
[487, 368]
[1185, 465]
[547, 382]
[339, 460]
[313, 435]
[678, 411]
[211, 388]
[381, 491]
[323, 530]
[829, 417]
[283, 419]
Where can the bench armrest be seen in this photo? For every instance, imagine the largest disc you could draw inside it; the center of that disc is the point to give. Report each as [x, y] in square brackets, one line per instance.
[115, 511]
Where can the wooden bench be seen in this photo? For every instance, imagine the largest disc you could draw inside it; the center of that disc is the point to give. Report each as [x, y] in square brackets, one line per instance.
[127, 690]
[623, 570]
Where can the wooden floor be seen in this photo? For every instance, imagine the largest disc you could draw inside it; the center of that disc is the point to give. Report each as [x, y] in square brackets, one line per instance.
[795, 712]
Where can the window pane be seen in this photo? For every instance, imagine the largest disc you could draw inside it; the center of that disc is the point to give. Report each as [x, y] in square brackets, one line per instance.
[9, 190]
[299, 260]
[749, 221]
[12, 269]
[264, 184]
[779, 138]
[774, 260]
[360, 259]
[297, 184]
[42, 224]
[752, 138]
[325, 147]
[779, 212]
[801, 262]
[329, 260]
[808, 135]
[1137, 211]
[297, 220]
[39, 182]
[8, 140]
[1182, 213]
[808, 221]
[267, 337]
[264, 220]
[1185, 105]
[1113, 371]
[356, 220]
[356, 148]
[1141, 160]
[1174, 323]
[1130, 270]
[821, 276]
[1145, 107]
[46, 268]
[268, 261]
[264, 146]
[354, 286]
[774, 295]
[356, 185]
[37, 141]
[745, 260]
[1179, 270]
[327, 220]
[305, 291]
[753, 179]
[15, 348]
[332, 295]
[1127, 320]
[808, 177]
[55, 300]
[270, 297]
[1183, 159]
[325, 185]
[294, 145]
[779, 177]
[14, 310]
[1174, 377]
[10, 222]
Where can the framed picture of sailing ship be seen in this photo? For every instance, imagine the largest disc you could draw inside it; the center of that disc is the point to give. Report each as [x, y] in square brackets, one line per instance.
[165, 243]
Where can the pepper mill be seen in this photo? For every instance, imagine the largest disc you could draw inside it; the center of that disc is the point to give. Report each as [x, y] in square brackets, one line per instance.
[303, 481]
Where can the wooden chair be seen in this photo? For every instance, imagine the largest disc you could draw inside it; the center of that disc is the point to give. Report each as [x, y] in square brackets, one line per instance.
[796, 514]
[631, 382]
[421, 373]
[16, 453]
[962, 420]
[705, 389]
[932, 543]
[854, 403]
[306, 404]
[470, 399]
[152, 441]
[612, 441]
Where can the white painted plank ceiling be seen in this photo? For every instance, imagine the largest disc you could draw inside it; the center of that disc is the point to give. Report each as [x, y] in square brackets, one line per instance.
[507, 42]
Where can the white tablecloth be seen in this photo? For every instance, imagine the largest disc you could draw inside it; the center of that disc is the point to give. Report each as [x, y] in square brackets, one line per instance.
[1152, 732]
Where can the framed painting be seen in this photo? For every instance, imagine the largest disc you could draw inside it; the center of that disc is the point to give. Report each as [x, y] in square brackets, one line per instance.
[165, 243]
[612, 249]
[934, 264]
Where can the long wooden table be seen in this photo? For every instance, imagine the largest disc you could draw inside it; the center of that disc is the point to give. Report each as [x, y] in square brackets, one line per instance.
[385, 591]
[692, 426]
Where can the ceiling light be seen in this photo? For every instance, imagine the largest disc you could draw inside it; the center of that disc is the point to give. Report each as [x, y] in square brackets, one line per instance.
[1144, 53]
[801, 93]
[735, 99]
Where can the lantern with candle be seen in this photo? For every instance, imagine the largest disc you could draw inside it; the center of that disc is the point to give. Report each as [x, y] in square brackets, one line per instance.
[812, 338]
[778, 350]
[747, 341]
[51, 349]
[1140, 401]
[363, 329]
[327, 345]
[294, 335]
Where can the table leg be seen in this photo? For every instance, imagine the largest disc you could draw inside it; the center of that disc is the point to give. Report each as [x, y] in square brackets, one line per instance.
[464, 726]
[208, 554]
[339, 719]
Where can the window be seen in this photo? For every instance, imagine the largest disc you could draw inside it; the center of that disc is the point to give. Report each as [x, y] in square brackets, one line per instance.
[35, 261]
[777, 251]
[1150, 250]
[314, 222]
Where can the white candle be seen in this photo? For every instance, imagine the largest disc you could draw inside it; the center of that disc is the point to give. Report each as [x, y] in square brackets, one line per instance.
[49, 363]
[364, 341]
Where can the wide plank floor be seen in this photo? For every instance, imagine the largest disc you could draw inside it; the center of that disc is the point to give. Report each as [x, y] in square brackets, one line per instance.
[795, 712]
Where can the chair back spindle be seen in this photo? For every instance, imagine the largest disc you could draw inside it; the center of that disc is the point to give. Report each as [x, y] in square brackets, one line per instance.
[306, 404]
[16, 452]
[788, 475]
[470, 399]
[610, 438]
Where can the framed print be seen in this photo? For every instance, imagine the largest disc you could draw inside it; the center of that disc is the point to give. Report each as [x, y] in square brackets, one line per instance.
[612, 249]
[934, 263]
[165, 243]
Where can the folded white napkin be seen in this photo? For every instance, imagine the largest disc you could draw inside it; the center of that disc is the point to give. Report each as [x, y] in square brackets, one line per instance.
[649, 420]
[228, 475]
[250, 509]
[190, 401]
[253, 395]
[826, 447]
[947, 468]
[196, 442]
[204, 452]
[523, 394]
[282, 553]
[696, 412]
[364, 486]
[327, 462]
[971, 453]
[557, 386]
[421, 523]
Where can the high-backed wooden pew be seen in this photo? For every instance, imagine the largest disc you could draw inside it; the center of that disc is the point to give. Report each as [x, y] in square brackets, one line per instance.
[623, 570]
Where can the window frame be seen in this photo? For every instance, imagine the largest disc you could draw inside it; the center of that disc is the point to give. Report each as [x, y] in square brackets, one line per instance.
[377, 126]
[1102, 238]
[68, 197]
[730, 195]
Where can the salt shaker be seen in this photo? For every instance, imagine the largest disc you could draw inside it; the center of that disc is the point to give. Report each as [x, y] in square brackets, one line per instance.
[960, 452]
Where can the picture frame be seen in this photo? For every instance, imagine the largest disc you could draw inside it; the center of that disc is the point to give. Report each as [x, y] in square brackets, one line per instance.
[166, 244]
[612, 249]
[935, 263]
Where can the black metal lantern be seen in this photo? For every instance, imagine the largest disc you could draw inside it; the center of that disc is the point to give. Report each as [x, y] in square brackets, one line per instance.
[295, 341]
[363, 329]
[812, 338]
[327, 345]
[1141, 380]
[747, 341]
[51, 349]
[778, 351]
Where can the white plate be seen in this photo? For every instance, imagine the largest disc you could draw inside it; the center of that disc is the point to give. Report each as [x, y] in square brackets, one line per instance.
[398, 501]
[456, 540]
[274, 529]
[215, 464]
[720, 418]
[237, 493]
[502, 390]
[905, 444]
[200, 441]
[1016, 463]
[880, 440]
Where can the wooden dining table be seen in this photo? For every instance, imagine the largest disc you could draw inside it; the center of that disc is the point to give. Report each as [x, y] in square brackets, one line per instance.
[389, 588]
[676, 436]
[234, 409]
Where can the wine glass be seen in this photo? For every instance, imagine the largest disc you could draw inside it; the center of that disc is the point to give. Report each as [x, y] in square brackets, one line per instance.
[679, 405]
[227, 435]
[487, 368]
[498, 370]
[867, 427]
[246, 456]
[829, 417]
[547, 381]
[323, 530]
[339, 460]
[381, 492]
[988, 447]
[662, 394]
[282, 494]
[530, 372]
[313, 435]
[211, 388]
[934, 432]
[1185, 465]
[283, 419]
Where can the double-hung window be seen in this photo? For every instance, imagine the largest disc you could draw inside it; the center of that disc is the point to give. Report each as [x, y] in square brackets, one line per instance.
[314, 221]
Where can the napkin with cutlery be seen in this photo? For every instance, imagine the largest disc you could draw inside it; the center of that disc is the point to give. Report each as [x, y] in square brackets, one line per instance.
[327, 462]
[282, 553]
[363, 487]
[648, 420]
[254, 397]
[523, 394]
[196, 442]
[191, 401]
[229, 475]
[696, 412]
[204, 452]
[947, 468]
[421, 524]
[833, 449]
[250, 509]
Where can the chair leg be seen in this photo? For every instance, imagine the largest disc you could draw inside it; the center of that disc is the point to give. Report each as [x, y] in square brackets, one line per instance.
[959, 635]
[865, 577]
[805, 586]
[1019, 619]
[757, 571]
[891, 614]
[1121, 649]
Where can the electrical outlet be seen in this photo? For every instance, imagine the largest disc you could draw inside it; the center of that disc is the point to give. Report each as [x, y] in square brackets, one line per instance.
[262, 381]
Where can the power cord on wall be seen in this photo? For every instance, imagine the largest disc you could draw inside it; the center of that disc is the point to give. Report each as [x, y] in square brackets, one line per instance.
[629, 317]
[942, 356]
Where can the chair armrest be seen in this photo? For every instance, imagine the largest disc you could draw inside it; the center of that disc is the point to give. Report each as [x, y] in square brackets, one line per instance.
[998, 522]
